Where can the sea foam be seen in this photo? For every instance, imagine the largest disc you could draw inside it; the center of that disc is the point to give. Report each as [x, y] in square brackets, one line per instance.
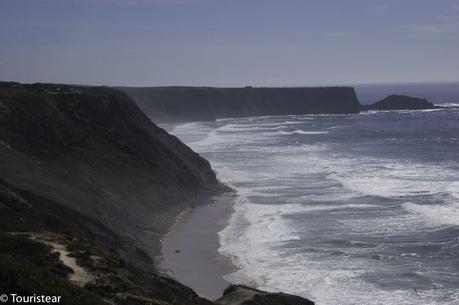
[325, 217]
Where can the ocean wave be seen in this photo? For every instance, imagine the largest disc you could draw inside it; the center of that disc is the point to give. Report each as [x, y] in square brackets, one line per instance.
[299, 131]
[455, 105]
[300, 193]
[389, 179]
[435, 214]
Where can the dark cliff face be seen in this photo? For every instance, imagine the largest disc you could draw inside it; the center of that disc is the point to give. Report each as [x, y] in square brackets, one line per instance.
[400, 102]
[184, 104]
[94, 151]
[28, 264]
[83, 169]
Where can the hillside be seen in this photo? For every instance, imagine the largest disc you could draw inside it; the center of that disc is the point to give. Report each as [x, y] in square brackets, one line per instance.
[88, 186]
[39, 241]
[91, 149]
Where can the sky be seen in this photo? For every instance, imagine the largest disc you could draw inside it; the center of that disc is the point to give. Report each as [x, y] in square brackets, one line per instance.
[229, 42]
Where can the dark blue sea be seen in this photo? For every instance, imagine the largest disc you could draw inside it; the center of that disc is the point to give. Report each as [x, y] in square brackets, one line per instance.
[343, 209]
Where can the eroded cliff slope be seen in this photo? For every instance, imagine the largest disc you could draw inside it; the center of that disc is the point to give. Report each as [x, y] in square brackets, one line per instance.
[87, 186]
[93, 150]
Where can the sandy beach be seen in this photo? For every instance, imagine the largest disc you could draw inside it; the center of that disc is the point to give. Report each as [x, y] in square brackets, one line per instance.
[190, 249]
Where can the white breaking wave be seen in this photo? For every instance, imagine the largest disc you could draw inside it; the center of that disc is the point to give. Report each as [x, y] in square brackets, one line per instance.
[379, 177]
[453, 189]
[448, 105]
[435, 214]
[298, 131]
[308, 181]
[252, 241]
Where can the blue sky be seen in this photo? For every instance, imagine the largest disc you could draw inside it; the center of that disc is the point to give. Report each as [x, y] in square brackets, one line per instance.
[229, 43]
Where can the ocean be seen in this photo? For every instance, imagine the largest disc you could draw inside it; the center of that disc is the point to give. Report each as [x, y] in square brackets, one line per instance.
[343, 209]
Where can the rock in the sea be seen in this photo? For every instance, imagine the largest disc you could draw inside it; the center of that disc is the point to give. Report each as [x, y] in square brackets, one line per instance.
[243, 295]
[401, 102]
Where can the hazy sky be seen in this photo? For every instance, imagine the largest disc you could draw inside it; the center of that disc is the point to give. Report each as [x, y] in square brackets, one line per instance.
[229, 43]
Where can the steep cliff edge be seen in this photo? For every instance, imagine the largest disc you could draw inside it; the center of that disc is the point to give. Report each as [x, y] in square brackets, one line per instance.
[93, 150]
[87, 185]
[185, 104]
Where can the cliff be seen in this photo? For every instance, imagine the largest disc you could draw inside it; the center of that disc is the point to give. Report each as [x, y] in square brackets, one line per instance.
[49, 249]
[184, 104]
[93, 150]
[400, 102]
[88, 184]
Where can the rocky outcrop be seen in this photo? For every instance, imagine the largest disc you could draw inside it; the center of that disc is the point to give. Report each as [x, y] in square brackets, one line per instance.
[91, 149]
[242, 295]
[185, 104]
[400, 102]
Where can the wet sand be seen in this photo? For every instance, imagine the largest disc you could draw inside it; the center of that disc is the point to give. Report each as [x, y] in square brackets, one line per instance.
[190, 249]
